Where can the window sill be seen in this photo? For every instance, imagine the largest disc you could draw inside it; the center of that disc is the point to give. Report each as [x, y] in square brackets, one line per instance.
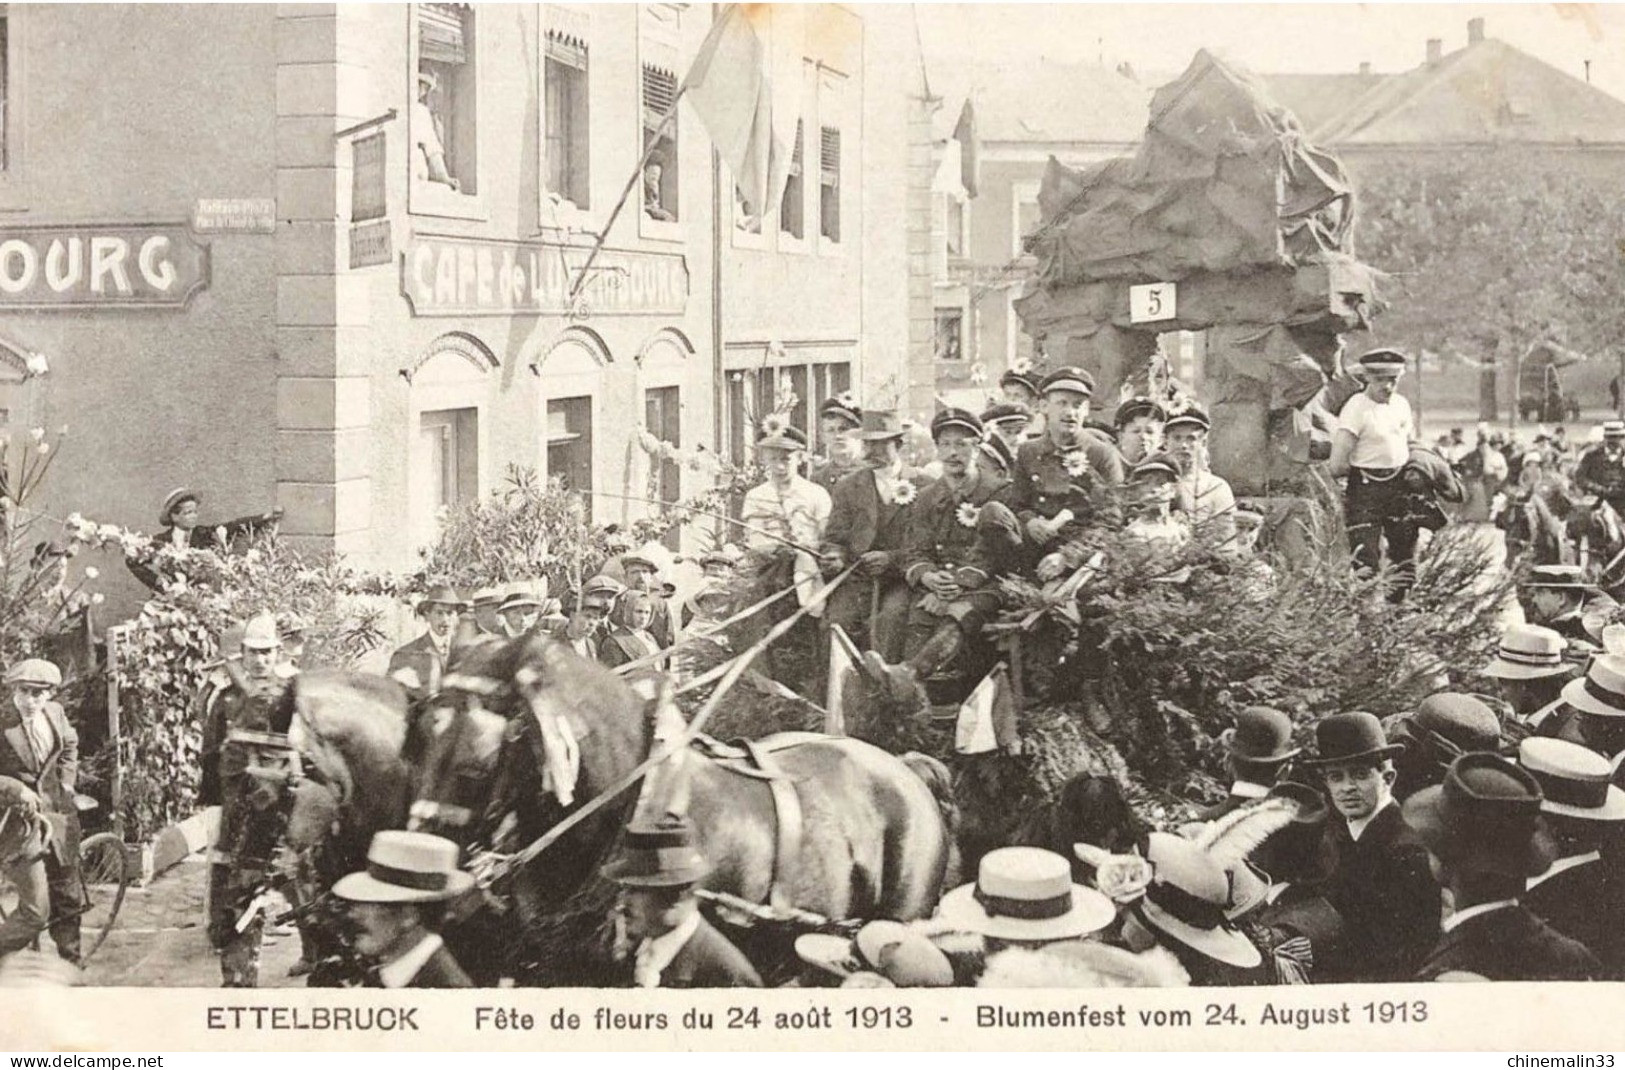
[828, 247]
[789, 243]
[749, 239]
[660, 230]
[433, 199]
[559, 214]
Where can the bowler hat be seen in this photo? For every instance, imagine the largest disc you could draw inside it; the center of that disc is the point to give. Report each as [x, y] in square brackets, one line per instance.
[1350, 737]
[174, 500]
[1485, 818]
[1187, 900]
[1450, 724]
[34, 672]
[879, 425]
[1069, 378]
[998, 450]
[1136, 407]
[960, 418]
[1601, 691]
[1576, 781]
[1558, 577]
[1187, 414]
[659, 855]
[1026, 893]
[406, 867]
[1384, 360]
[440, 595]
[844, 406]
[1261, 735]
[1528, 652]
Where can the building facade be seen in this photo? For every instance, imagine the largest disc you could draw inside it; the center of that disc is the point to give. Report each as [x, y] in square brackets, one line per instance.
[339, 261]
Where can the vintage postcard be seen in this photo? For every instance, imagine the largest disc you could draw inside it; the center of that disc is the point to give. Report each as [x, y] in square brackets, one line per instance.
[768, 526]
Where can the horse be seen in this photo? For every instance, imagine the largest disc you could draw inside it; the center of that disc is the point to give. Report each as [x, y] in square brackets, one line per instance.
[875, 837]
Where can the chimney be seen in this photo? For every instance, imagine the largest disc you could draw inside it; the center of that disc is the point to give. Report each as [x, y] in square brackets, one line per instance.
[1475, 31]
[1365, 68]
[1435, 50]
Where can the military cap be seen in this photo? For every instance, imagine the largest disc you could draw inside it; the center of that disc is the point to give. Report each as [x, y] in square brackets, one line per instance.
[1076, 380]
[960, 418]
[1384, 360]
[1134, 408]
[1189, 413]
[998, 450]
[842, 405]
[1005, 411]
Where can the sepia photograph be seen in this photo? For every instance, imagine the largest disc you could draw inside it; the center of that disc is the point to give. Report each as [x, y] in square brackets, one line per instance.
[479, 509]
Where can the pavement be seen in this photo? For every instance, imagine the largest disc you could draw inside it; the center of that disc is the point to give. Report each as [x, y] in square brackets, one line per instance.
[160, 938]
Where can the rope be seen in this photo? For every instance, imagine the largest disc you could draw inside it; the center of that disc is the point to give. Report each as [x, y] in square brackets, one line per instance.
[502, 866]
[660, 655]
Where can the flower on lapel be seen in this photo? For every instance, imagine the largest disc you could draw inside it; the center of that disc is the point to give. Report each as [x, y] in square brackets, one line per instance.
[1075, 462]
[905, 493]
[966, 514]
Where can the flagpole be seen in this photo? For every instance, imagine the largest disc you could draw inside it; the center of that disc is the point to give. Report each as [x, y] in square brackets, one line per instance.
[643, 161]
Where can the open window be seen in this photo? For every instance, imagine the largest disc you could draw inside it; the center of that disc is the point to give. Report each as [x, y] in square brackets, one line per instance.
[793, 208]
[659, 189]
[444, 117]
[566, 140]
[13, 21]
[950, 335]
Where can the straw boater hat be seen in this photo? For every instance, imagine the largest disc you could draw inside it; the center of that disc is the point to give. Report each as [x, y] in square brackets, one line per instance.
[174, 500]
[1558, 577]
[1350, 737]
[406, 867]
[1026, 893]
[1187, 900]
[526, 594]
[1528, 652]
[1136, 407]
[1069, 378]
[1613, 429]
[1383, 362]
[1601, 691]
[658, 855]
[1576, 781]
[34, 672]
[1261, 735]
[486, 596]
[440, 595]
[1484, 818]
[902, 955]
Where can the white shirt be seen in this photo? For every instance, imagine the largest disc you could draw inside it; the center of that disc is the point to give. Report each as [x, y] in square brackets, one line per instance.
[1246, 789]
[180, 537]
[1462, 916]
[1564, 864]
[799, 514]
[1206, 496]
[1358, 825]
[426, 138]
[1382, 433]
[399, 974]
[655, 955]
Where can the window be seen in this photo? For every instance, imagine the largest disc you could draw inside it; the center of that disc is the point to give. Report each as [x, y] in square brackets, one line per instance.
[5, 88]
[950, 334]
[792, 208]
[660, 142]
[751, 394]
[448, 456]
[829, 183]
[953, 226]
[443, 122]
[569, 445]
[663, 418]
[565, 93]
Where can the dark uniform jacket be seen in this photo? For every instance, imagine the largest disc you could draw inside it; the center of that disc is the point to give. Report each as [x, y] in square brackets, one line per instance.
[709, 960]
[1385, 894]
[1510, 944]
[1598, 474]
[1583, 904]
[52, 775]
[422, 658]
[935, 535]
[441, 971]
[1042, 487]
[826, 473]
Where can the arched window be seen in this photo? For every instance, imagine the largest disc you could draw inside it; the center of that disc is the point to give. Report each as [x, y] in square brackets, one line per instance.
[661, 364]
[451, 382]
[569, 370]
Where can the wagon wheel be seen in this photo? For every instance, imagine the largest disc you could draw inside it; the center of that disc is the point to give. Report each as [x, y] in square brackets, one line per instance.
[104, 874]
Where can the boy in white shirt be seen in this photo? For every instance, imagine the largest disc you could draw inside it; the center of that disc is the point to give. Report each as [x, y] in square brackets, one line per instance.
[1371, 446]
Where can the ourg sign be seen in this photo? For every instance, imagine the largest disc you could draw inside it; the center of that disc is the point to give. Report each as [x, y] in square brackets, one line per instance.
[89, 266]
[461, 277]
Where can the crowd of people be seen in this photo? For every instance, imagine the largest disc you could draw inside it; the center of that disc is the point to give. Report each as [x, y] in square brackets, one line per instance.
[1474, 837]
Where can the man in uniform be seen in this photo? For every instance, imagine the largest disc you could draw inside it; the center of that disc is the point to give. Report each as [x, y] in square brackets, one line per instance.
[1008, 422]
[1371, 445]
[1139, 422]
[1204, 498]
[1558, 597]
[243, 722]
[838, 456]
[41, 750]
[943, 563]
[1068, 479]
[421, 664]
[866, 525]
[1601, 470]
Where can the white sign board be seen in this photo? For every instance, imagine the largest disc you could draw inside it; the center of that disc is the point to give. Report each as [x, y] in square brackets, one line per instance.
[1148, 304]
[243, 215]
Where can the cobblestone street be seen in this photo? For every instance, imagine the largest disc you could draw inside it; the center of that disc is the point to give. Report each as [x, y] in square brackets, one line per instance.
[161, 939]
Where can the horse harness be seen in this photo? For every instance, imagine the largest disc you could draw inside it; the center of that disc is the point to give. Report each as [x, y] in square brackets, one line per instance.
[754, 758]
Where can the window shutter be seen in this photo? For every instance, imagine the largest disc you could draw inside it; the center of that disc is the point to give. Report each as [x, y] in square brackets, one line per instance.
[570, 51]
[568, 31]
[440, 33]
[659, 93]
[830, 156]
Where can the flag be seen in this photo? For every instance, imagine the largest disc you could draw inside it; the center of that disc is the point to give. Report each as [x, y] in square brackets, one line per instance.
[970, 150]
[745, 85]
[987, 719]
[843, 668]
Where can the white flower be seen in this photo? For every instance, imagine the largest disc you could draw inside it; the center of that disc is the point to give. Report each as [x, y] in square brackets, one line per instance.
[906, 493]
[37, 434]
[92, 572]
[109, 532]
[37, 364]
[1075, 462]
[75, 520]
[44, 448]
[966, 514]
[97, 599]
[1021, 365]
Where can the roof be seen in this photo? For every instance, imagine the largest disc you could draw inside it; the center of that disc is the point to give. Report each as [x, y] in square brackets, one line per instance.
[1316, 98]
[1047, 101]
[1486, 92]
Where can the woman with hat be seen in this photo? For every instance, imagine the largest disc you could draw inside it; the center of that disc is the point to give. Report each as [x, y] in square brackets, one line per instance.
[398, 905]
[421, 664]
[1579, 893]
[1183, 908]
[658, 866]
[1371, 445]
[1560, 598]
[1277, 895]
[784, 518]
[838, 454]
[181, 528]
[1530, 673]
[1484, 836]
[1382, 887]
